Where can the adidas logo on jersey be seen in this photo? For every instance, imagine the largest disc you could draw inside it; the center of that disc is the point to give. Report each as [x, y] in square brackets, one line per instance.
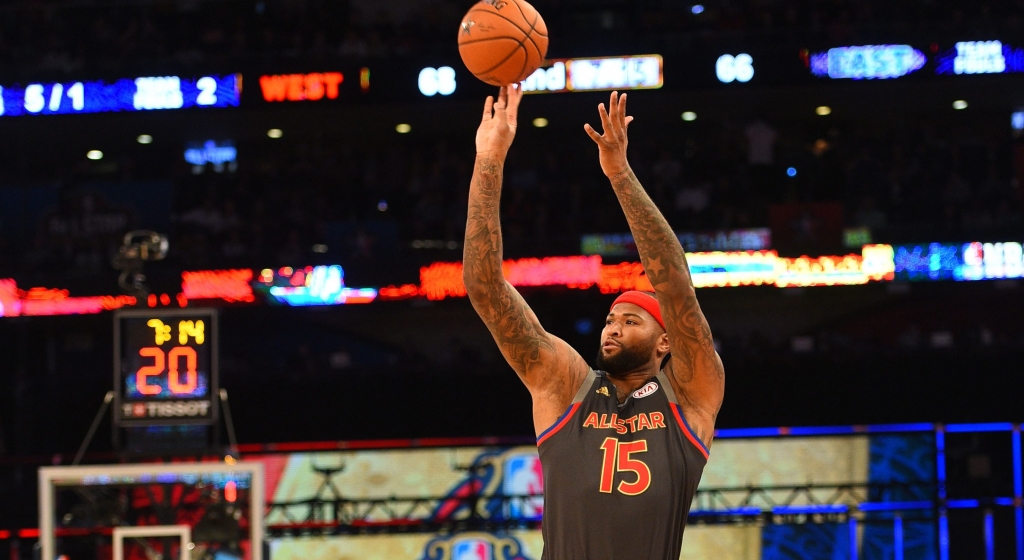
[603, 391]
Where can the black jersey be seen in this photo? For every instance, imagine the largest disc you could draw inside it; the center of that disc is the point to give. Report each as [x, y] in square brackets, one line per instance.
[619, 478]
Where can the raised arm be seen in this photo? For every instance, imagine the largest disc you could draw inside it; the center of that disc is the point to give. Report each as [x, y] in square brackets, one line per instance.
[695, 368]
[549, 367]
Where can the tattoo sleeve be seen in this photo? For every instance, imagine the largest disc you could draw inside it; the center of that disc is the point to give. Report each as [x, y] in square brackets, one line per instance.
[695, 364]
[512, 323]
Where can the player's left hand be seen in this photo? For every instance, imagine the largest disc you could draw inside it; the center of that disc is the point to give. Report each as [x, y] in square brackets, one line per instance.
[612, 144]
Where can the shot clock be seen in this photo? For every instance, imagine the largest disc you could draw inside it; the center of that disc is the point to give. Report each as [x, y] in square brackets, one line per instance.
[165, 367]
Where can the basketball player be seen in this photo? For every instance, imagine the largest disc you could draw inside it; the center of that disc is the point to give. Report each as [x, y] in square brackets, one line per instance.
[623, 446]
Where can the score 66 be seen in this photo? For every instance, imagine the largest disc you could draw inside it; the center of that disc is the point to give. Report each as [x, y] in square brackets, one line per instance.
[170, 361]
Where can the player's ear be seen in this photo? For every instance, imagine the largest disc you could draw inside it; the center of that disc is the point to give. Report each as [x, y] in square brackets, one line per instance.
[663, 345]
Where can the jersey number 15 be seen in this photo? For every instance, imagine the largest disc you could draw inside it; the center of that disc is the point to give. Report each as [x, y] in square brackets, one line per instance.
[618, 457]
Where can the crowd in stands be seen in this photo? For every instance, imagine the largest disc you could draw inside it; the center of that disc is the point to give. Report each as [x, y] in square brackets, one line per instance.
[401, 204]
[100, 36]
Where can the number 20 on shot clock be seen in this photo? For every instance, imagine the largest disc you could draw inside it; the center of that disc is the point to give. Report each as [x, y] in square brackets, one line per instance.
[165, 367]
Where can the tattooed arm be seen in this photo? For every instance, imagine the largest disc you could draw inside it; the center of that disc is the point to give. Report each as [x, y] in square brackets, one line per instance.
[695, 368]
[549, 367]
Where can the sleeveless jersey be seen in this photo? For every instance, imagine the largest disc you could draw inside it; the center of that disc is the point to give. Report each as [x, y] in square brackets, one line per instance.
[619, 478]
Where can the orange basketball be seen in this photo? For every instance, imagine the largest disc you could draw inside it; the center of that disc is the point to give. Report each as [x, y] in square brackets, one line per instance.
[502, 41]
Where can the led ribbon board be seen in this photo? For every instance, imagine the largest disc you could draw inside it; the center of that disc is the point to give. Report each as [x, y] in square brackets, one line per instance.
[867, 62]
[128, 94]
[312, 285]
[960, 261]
[597, 74]
[165, 367]
[622, 244]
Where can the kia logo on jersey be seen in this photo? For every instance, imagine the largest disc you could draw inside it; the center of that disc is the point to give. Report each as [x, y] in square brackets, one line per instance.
[646, 390]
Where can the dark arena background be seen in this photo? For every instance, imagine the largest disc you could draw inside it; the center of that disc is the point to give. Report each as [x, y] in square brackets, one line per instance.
[231, 299]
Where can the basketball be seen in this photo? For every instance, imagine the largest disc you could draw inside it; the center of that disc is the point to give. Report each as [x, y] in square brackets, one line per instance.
[502, 41]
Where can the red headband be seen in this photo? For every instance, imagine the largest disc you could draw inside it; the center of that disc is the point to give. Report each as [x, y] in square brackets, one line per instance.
[645, 300]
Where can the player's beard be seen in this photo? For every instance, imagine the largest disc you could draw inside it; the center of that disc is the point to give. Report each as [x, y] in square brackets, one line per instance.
[627, 359]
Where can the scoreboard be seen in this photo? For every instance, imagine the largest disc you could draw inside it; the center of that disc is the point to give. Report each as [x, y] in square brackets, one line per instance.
[165, 367]
[128, 94]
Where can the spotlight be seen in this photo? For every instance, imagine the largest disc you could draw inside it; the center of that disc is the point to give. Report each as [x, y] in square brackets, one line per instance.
[382, 206]
[403, 128]
[823, 110]
[275, 133]
[689, 116]
[540, 122]
[697, 9]
[791, 172]
[144, 139]
[318, 248]
[959, 104]
[94, 154]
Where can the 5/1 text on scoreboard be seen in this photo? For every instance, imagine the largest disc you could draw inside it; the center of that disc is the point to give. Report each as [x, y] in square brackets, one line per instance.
[127, 94]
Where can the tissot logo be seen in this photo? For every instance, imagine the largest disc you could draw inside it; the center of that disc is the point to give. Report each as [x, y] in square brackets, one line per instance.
[645, 391]
[179, 409]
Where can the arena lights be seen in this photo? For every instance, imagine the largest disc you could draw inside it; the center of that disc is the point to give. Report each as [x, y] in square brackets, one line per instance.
[128, 94]
[301, 87]
[275, 133]
[540, 122]
[1017, 120]
[867, 62]
[597, 74]
[689, 116]
[144, 139]
[959, 104]
[94, 155]
[960, 262]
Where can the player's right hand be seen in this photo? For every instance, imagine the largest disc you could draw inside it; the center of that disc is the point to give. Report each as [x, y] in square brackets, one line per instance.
[498, 127]
[612, 143]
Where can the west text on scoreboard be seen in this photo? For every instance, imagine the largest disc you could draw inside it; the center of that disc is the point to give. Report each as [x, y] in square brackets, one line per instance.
[313, 86]
[598, 74]
[127, 94]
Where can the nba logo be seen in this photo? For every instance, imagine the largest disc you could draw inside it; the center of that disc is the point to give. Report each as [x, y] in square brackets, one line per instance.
[523, 476]
[472, 549]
